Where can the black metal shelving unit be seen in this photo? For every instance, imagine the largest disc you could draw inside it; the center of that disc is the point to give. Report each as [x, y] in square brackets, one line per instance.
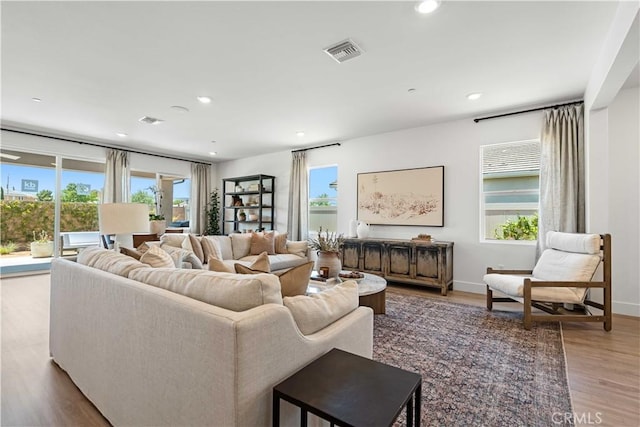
[256, 193]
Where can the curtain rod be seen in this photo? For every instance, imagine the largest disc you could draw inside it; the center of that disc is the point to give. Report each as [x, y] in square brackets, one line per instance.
[313, 148]
[527, 111]
[102, 146]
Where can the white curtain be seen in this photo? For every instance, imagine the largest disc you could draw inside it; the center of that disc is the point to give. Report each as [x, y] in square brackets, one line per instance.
[117, 177]
[200, 189]
[562, 178]
[298, 220]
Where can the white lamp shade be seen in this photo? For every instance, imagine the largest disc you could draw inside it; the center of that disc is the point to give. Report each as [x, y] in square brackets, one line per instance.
[123, 218]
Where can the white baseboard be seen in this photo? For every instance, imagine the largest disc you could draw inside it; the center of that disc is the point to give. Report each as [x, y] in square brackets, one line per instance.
[472, 287]
[625, 308]
[618, 307]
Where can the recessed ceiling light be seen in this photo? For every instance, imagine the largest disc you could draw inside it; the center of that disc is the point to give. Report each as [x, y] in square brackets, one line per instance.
[212, 153]
[300, 133]
[413, 89]
[36, 99]
[204, 99]
[179, 108]
[121, 134]
[427, 6]
[474, 96]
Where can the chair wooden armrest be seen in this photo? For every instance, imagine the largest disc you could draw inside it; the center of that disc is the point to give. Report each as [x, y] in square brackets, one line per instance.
[550, 284]
[490, 270]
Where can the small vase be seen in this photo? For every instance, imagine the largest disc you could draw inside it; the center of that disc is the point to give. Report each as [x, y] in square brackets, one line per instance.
[331, 260]
[41, 249]
[363, 230]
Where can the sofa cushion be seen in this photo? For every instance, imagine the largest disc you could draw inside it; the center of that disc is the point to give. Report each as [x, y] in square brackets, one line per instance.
[314, 312]
[109, 261]
[158, 258]
[277, 262]
[280, 243]
[262, 242]
[298, 248]
[241, 245]
[197, 247]
[230, 291]
[211, 248]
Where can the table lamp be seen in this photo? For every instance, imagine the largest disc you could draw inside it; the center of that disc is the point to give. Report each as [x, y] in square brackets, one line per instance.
[121, 220]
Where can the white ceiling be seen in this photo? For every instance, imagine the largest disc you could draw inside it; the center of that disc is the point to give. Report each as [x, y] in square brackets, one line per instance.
[100, 66]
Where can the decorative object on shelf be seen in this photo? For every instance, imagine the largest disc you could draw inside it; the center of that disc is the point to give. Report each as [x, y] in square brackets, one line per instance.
[254, 187]
[213, 214]
[238, 189]
[253, 217]
[242, 216]
[42, 245]
[353, 228]
[363, 230]
[402, 197]
[423, 237]
[237, 201]
[328, 246]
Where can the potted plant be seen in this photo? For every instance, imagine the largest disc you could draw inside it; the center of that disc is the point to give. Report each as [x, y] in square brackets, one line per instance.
[157, 224]
[328, 247]
[213, 214]
[42, 245]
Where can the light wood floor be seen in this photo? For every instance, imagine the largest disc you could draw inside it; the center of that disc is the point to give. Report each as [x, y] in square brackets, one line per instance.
[603, 367]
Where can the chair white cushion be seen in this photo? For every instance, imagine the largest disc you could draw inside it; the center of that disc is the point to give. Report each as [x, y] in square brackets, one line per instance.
[513, 286]
[566, 266]
[574, 242]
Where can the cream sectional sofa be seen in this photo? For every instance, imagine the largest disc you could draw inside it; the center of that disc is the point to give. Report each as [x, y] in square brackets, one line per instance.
[146, 353]
[237, 248]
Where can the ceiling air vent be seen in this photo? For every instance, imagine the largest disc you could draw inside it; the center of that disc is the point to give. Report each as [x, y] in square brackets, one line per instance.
[344, 50]
[150, 120]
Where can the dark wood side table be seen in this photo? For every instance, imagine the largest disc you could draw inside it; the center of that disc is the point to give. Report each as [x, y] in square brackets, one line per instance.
[350, 390]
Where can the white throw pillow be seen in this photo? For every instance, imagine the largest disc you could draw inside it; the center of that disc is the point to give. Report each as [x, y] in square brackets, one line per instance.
[157, 258]
[178, 240]
[241, 245]
[180, 255]
[211, 248]
[314, 312]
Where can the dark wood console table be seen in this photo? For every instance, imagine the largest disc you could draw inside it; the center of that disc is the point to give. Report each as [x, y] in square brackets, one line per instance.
[416, 262]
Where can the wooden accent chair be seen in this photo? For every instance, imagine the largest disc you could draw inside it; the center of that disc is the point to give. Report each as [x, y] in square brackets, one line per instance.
[564, 274]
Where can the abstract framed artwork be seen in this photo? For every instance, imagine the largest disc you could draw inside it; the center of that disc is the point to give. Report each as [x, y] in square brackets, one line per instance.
[402, 197]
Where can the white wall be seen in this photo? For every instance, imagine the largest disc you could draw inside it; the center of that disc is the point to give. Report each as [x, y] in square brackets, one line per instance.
[454, 145]
[621, 198]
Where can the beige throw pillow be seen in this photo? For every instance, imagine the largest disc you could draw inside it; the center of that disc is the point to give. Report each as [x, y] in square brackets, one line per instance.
[197, 247]
[262, 242]
[259, 265]
[180, 255]
[157, 258]
[295, 280]
[280, 243]
[133, 253]
[211, 248]
[218, 265]
[298, 248]
[315, 312]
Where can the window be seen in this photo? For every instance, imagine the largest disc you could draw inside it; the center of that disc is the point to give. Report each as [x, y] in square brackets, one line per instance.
[181, 207]
[510, 191]
[323, 199]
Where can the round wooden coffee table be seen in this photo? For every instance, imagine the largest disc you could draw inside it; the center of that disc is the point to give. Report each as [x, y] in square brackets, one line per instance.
[371, 290]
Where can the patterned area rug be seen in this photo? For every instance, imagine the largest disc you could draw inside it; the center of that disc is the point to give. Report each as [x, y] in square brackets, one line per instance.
[478, 368]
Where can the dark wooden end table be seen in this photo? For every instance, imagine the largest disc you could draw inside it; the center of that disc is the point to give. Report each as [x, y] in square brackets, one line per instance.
[350, 390]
